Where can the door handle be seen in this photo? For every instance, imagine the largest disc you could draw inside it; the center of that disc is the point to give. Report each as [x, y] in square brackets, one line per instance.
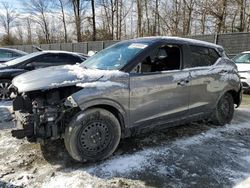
[183, 82]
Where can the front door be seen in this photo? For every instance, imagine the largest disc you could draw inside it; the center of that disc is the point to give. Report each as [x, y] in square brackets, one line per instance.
[159, 89]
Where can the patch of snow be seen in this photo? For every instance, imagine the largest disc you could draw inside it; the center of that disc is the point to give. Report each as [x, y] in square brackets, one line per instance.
[243, 184]
[127, 163]
[89, 75]
[6, 104]
[66, 82]
[74, 179]
[81, 72]
[100, 85]
[214, 133]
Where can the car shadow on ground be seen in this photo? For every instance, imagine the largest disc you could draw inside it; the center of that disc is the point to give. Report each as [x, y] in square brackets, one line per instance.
[171, 162]
[55, 152]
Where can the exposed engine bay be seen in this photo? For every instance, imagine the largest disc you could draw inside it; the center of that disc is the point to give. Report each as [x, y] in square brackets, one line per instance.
[43, 115]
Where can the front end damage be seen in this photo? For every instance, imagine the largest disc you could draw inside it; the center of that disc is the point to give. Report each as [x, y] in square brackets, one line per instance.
[43, 115]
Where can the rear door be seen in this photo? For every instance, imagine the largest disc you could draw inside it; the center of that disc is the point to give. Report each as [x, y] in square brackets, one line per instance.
[204, 78]
[159, 89]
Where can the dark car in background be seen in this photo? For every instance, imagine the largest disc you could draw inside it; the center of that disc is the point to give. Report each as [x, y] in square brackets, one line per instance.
[7, 54]
[34, 61]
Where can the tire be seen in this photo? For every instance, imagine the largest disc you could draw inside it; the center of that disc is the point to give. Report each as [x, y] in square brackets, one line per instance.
[92, 135]
[224, 111]
[4, 91]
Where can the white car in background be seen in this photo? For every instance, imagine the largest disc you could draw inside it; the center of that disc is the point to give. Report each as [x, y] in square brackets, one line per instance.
[242, 61]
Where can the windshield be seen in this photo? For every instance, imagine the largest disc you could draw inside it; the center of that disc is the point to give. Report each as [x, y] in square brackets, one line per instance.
[242, 58]
[21, 59]
[115, 57]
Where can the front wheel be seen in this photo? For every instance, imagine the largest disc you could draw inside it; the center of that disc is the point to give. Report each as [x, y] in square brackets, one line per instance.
[92, 135]
[4, 89]
[224, 110]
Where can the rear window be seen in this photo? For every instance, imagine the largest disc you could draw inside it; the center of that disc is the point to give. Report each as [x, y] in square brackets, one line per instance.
[202, 56]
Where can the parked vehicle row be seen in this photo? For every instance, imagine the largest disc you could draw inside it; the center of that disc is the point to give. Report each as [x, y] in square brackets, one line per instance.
[36, 60]
[129, 88]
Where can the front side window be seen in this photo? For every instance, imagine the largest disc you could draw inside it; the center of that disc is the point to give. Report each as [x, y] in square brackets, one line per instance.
[163, 58]
[201, 56]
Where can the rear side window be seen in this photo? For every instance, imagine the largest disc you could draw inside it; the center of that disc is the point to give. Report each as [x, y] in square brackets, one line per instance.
[5, 54]
[202, 56]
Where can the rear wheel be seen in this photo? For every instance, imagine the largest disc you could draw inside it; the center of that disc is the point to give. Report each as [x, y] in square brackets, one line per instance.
[224, 110]
[4, 91]
[92, 135]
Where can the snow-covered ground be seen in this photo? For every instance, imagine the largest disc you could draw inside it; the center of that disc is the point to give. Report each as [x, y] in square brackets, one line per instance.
[194, 155]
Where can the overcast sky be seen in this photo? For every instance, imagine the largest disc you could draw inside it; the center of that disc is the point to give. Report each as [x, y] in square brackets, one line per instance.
[15, 3]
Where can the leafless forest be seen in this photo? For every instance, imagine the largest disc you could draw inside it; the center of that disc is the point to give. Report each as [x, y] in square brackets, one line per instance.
[52, 21]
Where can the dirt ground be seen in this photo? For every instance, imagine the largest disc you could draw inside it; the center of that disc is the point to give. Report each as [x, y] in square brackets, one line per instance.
[192, 155]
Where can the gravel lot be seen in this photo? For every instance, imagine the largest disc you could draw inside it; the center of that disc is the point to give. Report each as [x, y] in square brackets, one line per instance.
[193, 155]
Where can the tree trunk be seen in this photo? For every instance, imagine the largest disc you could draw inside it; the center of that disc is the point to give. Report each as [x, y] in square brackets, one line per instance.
[204, 17]
[64, 22]
[77, 14]
[29, 31]
[93, 19]
[139, 19]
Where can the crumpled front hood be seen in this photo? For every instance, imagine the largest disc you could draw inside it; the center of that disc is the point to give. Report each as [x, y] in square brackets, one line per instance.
[60, 76]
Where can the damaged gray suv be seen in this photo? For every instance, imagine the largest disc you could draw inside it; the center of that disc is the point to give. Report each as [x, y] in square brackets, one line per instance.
[129, 88]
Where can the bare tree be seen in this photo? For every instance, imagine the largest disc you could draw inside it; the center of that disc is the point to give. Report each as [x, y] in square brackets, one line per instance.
[79, 8]
[62, 4]
[8, 17]
[39, 10]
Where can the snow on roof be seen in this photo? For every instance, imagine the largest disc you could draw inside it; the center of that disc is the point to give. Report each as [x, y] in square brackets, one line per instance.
[246, 52]
[59, 51]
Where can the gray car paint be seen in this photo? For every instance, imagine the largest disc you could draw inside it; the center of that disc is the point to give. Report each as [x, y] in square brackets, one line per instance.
[160, 96]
